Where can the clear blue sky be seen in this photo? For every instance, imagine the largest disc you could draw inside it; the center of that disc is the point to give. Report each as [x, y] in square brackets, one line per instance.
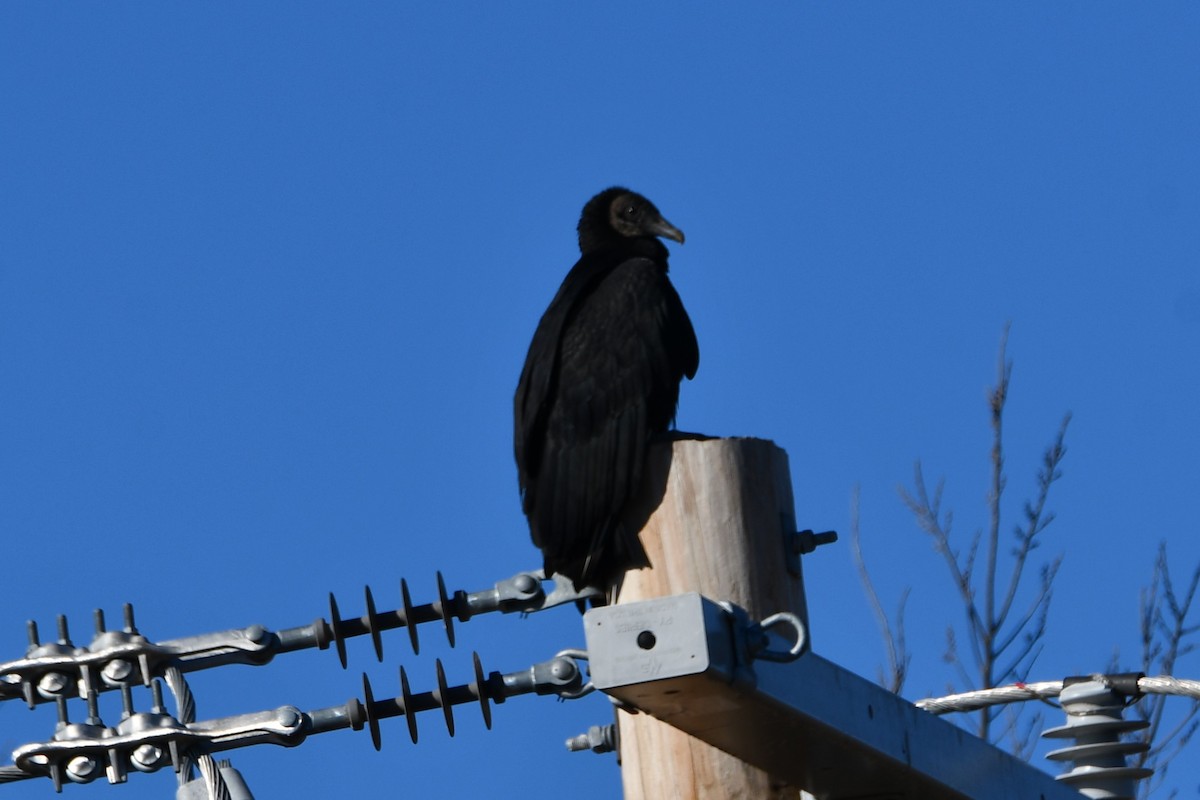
[268, 273]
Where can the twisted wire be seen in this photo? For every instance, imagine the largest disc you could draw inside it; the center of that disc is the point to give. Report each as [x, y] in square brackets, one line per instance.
[185, 706]
[982, 698]
[211, 771]
[1166, 684]
[1045, 690]
[10, 774]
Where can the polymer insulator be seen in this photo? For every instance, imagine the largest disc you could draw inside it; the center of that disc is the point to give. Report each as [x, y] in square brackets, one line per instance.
[441, 696]
[146, 741]
[477, 688]
[406, 706]
[335, 624]
[368, 706]
[373, 624]
[1095, 721]
[116, 658]
[444, 608]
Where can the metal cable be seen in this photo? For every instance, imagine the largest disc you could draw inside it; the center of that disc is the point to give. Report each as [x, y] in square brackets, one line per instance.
[211, 771]
[10, 774]
[185, 712]
[982, 698]
[185, 706]
[185, 703]
[1020, 692]
[1165, 684]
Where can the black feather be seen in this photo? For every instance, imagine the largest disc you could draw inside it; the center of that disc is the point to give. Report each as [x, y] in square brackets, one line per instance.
[601, 378]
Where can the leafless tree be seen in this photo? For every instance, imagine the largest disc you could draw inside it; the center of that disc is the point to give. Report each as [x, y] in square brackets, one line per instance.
[1006, 607]
[1005, 621]
[893, 631]
[1167, 635]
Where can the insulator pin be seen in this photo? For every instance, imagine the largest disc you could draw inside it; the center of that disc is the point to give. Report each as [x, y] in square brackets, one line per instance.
[1095, 721]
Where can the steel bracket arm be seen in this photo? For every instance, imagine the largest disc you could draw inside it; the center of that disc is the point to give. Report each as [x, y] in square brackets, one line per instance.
[806, 721]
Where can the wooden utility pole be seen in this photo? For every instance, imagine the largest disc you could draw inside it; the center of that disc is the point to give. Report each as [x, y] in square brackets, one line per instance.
[721, 529]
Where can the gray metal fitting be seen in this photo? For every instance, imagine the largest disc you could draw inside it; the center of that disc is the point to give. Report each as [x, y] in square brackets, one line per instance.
[598, 739]
[82, 769]
[116, 671]
[52, 684]
[147, 758]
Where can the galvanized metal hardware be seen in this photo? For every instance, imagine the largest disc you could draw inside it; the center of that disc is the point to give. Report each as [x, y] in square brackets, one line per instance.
[234, 786]
[118, 658]
[800, 543]
[123, 659]
[682, 636]
[149, 741]
[749, 687]
[597, 739]
[760, 637]
[53, 670]
[692, 663]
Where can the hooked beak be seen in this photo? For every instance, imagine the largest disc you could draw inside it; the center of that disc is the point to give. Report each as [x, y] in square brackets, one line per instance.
[660, 227]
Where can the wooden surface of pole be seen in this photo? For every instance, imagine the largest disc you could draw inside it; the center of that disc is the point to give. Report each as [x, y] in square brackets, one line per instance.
[719, 529]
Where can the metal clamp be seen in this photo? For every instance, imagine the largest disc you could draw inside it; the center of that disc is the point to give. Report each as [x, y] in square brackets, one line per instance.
[56, 670]
[149, 741]
[119, 658]
[684, 635]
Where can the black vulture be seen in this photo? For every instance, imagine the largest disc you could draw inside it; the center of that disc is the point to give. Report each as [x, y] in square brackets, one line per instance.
[600, 380]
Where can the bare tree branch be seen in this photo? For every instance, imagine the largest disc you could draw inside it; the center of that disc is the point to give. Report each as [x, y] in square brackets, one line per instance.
[1004, 645]
[893, 638]
[1036, 516]
[1165, 628]
[996, 400]
[992, 631]
[1038, 609]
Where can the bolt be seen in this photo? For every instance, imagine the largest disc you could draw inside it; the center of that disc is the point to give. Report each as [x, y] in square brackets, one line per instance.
[288, 717]
[525, 583]
[146, 757]
[806, 541]
[598, 739]
[256, 634]
[563, 669]
[52, 683]
[117, 670]
[81, 768]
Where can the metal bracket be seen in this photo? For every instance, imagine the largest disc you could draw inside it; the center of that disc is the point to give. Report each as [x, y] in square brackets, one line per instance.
[806, 721]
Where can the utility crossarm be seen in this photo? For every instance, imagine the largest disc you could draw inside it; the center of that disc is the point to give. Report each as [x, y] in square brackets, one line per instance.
[706, 670]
